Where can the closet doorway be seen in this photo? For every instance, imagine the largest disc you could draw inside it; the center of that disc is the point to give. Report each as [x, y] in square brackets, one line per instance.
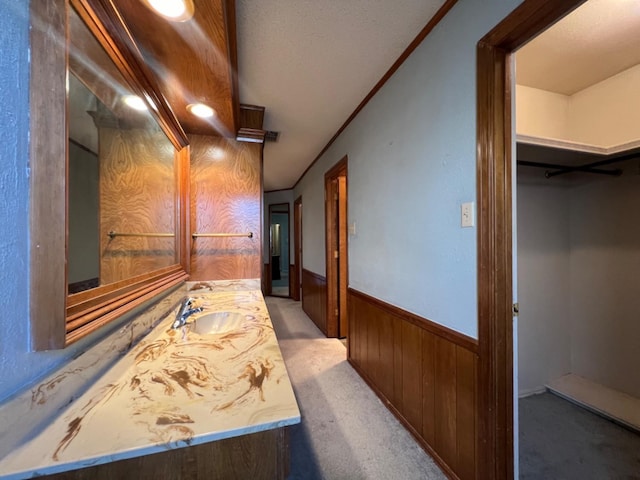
[578, 257]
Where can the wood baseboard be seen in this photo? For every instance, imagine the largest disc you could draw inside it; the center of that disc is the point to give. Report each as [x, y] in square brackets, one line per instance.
[426, 375]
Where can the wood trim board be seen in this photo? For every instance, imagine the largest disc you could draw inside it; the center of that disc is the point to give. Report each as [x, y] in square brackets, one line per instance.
[297, 247]
[335, 198]
[495, 292]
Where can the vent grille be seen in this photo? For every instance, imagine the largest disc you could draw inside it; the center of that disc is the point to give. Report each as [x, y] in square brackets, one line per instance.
[271, 136]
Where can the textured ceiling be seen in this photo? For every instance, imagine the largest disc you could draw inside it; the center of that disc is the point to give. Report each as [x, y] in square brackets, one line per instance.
[311, 62]
[594, 42]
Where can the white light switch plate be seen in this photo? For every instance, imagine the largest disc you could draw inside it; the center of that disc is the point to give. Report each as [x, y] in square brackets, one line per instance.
[352, 228]
[468, 214]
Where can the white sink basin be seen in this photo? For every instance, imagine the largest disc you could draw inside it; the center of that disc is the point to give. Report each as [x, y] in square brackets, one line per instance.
[217, 322]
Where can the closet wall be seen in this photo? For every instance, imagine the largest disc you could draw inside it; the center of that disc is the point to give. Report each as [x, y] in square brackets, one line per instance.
[606, 114]
[605, 281]
[544, 324]
[579, 281]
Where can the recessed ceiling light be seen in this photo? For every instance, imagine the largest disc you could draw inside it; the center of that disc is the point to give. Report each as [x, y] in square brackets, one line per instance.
[200, 110]
[174, 10]
[134, 102]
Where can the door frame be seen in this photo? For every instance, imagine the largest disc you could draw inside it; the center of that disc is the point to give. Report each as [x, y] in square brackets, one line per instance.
[337, 272]
[297, 248]
[495, 139]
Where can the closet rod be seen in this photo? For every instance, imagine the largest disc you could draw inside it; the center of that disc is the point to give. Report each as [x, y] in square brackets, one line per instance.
[600, 163]
[583, 168]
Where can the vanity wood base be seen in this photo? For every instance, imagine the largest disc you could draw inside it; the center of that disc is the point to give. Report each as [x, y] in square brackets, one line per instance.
[258, 456]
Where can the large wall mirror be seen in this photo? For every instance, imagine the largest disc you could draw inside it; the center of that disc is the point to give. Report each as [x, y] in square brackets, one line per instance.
[121, 173]
[108, 186]
[279, 249]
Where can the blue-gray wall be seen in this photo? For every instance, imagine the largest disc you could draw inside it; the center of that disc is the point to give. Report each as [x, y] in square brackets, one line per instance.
[14, 193]
[412, 163]
[19, 367]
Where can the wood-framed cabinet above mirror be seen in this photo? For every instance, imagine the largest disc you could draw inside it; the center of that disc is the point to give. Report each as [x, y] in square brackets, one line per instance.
[109, 186]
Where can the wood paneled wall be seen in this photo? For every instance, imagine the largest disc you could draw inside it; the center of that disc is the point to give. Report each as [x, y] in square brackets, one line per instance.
[137, 195]
[425, 374]
[314, 298]
[226, 197]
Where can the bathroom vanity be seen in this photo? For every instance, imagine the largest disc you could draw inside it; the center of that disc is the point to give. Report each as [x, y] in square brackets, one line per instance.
[210, 399]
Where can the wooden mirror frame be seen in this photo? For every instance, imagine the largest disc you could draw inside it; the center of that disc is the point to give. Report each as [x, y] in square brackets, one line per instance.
[56, 318]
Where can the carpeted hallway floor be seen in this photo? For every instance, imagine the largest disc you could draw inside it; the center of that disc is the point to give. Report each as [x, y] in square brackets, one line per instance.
[346, 432]
[561, 441]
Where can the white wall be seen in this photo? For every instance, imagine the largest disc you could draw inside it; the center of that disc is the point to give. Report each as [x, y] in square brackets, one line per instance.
[579, 282]
[412, 162]
[543, 255]
[605, 282]
[605, 114]
[542, 114]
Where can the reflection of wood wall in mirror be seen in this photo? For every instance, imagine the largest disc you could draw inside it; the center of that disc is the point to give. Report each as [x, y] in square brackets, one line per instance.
[137, 195]
[225, 198]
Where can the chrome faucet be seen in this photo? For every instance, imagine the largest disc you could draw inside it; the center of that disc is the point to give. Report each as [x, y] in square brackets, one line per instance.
[186, 310]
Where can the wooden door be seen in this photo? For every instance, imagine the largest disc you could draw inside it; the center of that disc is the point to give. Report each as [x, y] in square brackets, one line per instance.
[297, 249]
[336, 248]
[342, 255]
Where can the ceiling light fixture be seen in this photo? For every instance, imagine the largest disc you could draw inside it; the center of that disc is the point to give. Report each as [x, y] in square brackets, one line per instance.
[135, 102]
[173, 10]
[200, 110]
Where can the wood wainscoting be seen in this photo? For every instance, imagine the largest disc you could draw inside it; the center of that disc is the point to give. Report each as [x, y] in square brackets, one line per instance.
[314, 298]
[424, 373]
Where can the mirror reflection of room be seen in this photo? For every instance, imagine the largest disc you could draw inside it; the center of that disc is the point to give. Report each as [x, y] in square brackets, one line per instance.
[121, 174]
[279, 248]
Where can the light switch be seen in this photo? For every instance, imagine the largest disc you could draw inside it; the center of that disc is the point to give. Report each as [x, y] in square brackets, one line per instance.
[468, 214]
[352, 228]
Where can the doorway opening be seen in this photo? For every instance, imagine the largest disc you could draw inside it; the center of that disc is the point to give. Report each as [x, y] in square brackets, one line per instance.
[335, 195]
[576, 184]
[497, 313]
[279, 253]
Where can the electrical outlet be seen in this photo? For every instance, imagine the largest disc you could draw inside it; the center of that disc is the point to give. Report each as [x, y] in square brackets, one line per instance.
[468, 214]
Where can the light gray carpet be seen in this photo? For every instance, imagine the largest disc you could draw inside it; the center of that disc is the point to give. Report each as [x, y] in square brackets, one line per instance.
[562, 441]
[346, 432]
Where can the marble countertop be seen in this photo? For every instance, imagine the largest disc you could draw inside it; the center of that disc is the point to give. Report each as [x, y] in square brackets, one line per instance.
[173, 389]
